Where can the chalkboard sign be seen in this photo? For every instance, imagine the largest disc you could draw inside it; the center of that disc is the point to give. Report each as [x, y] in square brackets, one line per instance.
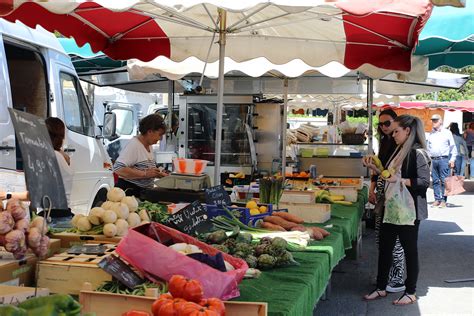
[121, 271]
[43, 177]
[191, 219]
[217, 195]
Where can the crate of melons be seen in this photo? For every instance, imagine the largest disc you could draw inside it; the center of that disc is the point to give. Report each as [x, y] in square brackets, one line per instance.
[248, 213]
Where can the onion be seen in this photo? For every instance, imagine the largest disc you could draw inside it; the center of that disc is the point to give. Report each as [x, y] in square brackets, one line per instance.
[16, 208]
[115, 194]
[14, 240]
[34, 237]
[23, 224]
[131, 202]
[6, 222]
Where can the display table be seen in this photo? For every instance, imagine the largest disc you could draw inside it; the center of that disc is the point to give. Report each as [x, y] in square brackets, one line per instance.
[296, 290]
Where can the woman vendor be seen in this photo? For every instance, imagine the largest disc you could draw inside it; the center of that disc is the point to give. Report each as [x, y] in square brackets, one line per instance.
[136, 165]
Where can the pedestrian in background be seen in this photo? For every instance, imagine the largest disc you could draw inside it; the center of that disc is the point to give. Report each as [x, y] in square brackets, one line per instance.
[443, 152]
[461, 147]
[413, 163]
[469, 137]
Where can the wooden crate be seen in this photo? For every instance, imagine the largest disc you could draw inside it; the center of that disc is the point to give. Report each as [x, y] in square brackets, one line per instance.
[71, 239]
[297, 197]
[17, 272]
[310, 213]
[13, 295]
[109, 304]
[65, 273]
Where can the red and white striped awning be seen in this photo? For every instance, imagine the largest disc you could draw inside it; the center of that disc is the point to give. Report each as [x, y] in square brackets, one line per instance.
[361, 35]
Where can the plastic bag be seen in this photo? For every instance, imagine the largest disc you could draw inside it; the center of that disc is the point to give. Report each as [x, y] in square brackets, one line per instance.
[399, 204]
[141, 249]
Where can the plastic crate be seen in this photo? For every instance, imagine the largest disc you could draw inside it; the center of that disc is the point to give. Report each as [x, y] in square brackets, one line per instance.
[245, 217]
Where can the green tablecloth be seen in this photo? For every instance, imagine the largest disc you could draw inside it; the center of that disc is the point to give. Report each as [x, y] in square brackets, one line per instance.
[333, 245]
[290, 291]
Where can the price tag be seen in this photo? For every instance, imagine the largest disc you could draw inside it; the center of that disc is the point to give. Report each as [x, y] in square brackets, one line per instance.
[119, 270]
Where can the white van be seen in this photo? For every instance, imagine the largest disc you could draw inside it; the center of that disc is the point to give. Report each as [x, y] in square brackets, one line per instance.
[37, 76]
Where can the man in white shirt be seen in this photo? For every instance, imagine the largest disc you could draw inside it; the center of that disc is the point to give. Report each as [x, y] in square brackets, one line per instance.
[443, 152]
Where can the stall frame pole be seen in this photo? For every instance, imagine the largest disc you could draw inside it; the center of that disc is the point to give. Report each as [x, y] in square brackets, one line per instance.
[283, 128]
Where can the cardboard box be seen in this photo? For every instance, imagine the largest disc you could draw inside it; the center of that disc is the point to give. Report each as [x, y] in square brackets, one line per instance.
[13, 295]
[310, 213]
[71, 239]
[17, 272]
[109, 304]
[65, 273]
[350, 193]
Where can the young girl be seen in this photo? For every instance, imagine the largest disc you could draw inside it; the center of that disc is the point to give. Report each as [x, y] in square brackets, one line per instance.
[414, 162]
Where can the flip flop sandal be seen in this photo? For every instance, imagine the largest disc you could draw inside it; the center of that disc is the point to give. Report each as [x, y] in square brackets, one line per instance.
[397, 302]
[379, 294]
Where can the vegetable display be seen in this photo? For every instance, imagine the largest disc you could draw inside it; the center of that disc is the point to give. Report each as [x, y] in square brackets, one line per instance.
[57, 304]
[17, 233]
[324, 196]
[186, 298]
[113, 218]
[118, 288]
[271, 189]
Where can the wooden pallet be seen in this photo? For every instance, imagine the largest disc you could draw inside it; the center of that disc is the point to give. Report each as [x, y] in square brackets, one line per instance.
[73, 259]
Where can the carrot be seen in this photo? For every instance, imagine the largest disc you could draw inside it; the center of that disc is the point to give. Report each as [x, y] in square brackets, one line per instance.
[280, 221]
[324, 232]
[289, 217]
[270, 226]
[300, 228]
[317, 234]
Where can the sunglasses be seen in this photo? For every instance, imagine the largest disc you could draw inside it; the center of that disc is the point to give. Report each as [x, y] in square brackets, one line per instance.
[386, 123]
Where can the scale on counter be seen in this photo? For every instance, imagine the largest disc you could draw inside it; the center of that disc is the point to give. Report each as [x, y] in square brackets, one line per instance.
[185, 182]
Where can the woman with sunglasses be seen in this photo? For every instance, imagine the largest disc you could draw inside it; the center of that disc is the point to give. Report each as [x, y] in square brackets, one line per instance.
[413, 163]
[376, 197]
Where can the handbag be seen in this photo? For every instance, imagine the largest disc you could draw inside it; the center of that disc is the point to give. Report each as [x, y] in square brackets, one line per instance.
[453, 185]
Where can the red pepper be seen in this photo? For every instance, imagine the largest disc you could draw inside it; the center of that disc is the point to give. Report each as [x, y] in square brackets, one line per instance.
[136, 313]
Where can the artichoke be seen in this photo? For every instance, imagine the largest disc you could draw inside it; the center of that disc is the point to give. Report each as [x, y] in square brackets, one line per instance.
[217, 237]
[247, 249]
[251, 261]
[221, 248]
[261, 249]
[244, 237]
[266, 262]
[279, 242]
[286, 258]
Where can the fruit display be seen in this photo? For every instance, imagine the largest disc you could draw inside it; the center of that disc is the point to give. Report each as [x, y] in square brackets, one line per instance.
[113, 217]
[324, 196]
[254, 208]
[18, 233]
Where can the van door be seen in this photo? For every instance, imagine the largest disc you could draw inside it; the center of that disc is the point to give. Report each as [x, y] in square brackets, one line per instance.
[91, 164]
[7, 133]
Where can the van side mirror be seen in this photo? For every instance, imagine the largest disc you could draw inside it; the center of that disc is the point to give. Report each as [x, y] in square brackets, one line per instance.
[109, 130]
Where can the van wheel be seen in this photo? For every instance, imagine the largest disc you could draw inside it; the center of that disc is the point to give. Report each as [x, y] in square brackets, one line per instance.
[100, 198]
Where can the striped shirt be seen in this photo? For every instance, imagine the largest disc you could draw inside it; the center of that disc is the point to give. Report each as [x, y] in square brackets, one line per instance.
[136, 156]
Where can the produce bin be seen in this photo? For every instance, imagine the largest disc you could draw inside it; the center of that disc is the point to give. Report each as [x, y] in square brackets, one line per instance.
[245, 217]
[109, 304]
[71, 239]
[141, 249]
[310, 213]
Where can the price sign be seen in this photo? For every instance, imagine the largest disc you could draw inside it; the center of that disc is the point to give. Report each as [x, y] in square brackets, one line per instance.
[191, 220]
[119, 270]
[43, 177]
[217, 195]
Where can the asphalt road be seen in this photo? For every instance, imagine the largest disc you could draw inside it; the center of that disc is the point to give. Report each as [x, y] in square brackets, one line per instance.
[446, 251]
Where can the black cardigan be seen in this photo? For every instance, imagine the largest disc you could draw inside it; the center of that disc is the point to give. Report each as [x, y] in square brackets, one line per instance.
[416, 167]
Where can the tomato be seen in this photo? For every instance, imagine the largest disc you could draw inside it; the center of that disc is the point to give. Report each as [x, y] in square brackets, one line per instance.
[190, 290]
[214, 304]
[171, 307]
[193, 309]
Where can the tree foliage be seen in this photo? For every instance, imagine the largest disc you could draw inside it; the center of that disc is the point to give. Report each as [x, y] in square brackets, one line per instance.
[465, 93]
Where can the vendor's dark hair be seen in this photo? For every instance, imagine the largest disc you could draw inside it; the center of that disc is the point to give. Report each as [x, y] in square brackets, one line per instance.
[152, 122]
[454, 128]
[387, 143]
[56, 130]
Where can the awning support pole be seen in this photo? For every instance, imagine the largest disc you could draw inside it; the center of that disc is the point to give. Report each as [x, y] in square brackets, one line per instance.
[283, 128]
[370, 101]
[220, 96]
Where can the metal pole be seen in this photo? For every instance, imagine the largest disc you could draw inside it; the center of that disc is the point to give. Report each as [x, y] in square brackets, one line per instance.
[370, 101]
[220, 97]
[283, 128]
[170, 103]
